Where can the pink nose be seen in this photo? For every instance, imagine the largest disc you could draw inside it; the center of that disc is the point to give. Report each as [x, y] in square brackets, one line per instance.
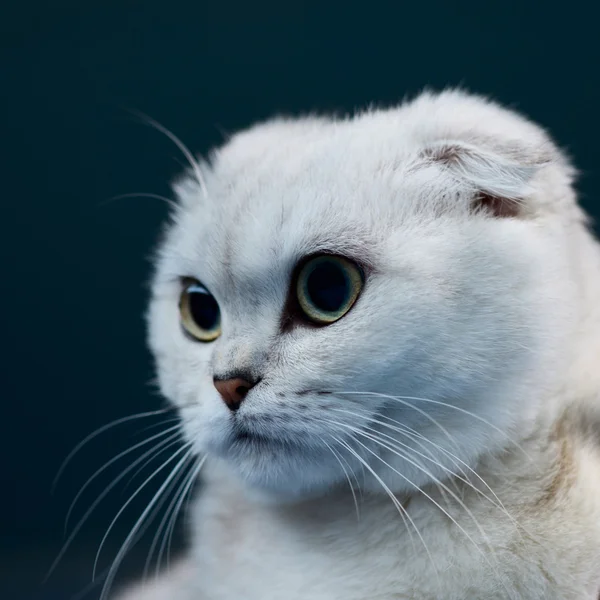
[233, 391]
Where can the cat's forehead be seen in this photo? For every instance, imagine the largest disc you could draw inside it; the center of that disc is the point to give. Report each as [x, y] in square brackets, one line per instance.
[286, 190]
[259, 234]
[312, 151]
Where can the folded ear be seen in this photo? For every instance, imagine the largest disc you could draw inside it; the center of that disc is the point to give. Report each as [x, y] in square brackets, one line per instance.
[498, 177]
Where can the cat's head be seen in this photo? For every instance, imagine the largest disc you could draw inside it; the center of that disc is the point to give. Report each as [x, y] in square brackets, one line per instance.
[383, 298]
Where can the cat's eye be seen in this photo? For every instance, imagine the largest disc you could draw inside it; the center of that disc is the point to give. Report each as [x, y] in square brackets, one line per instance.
[327, 287]
[199, 312]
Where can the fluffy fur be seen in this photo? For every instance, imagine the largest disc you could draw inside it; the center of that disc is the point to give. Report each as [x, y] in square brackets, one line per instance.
[440, 440]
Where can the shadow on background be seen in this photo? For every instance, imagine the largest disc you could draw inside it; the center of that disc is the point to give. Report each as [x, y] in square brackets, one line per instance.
[74, 267]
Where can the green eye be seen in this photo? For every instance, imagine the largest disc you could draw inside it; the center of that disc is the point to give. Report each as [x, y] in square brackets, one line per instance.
[327, 287]
[199, 312]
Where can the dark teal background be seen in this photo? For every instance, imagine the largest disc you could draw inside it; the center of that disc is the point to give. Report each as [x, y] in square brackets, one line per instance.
[74, 268]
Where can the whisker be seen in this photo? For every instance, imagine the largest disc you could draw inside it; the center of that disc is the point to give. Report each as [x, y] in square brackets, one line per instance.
[430, 458]
[155, 425]
[406, 431]
[89, 587]
[403, 455]
[186, 493]
[496, 501]
[174, 484]
[146, 464]
[430, 498]
[383, 444]
[170, 202]
[411, 433]
[182, 147]
[403, 399]
[338, 458]
[138, 536]
[132, 497]
[186, 508]
[171, 441]
[146, 525]
[398, 505]
[108, 464]
[139, 470]
[102, 429]
[132, 534]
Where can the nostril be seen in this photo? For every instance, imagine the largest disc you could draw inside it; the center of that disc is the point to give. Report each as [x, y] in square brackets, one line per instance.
[242, 390]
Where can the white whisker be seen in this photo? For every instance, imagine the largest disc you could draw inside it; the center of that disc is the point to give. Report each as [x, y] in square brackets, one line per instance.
[412, 434]
[177, 482]
[100, 430]
[429, 497]
[339, 459]
[404, 401]
[401, 510]
[170, 202]
[186, 493]
[125, 546]
[111, 462]
[182, 147]
[131, 498]
[384, 444]
[406, 431]
[164, 444]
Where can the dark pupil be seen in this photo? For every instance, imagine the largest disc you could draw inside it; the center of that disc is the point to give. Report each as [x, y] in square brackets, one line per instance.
[204, 308]
[327, 287]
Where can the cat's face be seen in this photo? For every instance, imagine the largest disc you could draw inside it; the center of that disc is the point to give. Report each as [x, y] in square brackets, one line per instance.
[387, 330]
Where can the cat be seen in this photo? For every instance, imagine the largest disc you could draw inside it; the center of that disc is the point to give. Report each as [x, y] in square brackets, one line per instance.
[382, 333]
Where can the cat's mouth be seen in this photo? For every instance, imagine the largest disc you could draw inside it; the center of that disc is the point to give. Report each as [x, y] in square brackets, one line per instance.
[243, 438]
[242, 435]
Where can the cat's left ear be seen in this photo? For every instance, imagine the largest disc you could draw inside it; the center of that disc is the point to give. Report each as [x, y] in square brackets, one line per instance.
[497, 178]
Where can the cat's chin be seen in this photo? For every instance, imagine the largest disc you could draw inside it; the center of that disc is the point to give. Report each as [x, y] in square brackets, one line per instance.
[279, 474]
[282, 496]
[279, 483]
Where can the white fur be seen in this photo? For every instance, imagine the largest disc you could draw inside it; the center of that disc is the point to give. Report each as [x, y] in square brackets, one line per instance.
[486, 329]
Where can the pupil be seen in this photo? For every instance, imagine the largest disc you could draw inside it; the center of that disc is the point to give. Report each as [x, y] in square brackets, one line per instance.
[327, 286]
[204, 309]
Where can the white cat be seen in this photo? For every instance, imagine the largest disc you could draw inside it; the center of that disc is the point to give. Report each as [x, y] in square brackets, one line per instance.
[383, 332]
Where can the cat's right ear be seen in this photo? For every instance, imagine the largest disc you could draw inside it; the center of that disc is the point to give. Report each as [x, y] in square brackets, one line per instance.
[499, 180]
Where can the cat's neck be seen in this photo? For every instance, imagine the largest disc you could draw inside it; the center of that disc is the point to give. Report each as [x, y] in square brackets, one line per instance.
[583, 376]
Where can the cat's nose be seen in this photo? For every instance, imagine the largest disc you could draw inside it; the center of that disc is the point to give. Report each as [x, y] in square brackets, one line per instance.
[233, 391]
